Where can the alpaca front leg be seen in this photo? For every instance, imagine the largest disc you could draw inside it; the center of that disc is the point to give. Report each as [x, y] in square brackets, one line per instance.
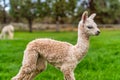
[68, 74]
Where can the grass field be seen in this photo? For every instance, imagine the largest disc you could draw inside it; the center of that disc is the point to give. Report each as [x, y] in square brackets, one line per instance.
[101, 63]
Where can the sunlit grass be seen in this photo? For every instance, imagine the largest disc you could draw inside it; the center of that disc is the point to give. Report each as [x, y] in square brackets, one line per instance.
[102, 61]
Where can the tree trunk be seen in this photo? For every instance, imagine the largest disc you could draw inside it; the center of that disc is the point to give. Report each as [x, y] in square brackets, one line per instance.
[57, 24]
[92, 6]
[4, 12]
[30, 25]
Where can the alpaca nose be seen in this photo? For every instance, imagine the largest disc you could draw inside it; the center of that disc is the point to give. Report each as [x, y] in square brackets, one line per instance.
[98, 32]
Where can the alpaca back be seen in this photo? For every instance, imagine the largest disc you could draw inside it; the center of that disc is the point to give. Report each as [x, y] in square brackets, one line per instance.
[8, 28]
[52, 50]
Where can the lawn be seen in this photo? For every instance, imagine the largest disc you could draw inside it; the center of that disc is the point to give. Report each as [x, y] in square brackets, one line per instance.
[102, 61]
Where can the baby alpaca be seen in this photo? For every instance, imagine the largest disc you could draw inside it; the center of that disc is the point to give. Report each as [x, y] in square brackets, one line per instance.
[62, 55]
[7, 32]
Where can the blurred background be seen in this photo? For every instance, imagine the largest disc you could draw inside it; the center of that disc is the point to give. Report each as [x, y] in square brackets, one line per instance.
[57, 14]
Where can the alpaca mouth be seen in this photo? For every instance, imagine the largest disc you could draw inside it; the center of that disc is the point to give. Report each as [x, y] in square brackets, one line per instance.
[97, 33]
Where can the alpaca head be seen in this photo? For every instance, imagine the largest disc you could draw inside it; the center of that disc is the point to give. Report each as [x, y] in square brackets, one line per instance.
[88, 24]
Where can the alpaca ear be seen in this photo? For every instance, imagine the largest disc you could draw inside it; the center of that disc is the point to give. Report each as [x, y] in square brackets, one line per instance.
[92, 16]
[84, 16]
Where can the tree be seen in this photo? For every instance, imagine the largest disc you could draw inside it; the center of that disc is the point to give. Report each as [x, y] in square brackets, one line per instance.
[15, 10]
[104, 10]
[3, 11]
[61, 9]
[109, 11]
[29, 9]
[24, 9]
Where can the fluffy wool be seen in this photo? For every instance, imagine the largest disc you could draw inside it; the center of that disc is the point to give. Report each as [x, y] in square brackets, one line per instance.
[62, 55]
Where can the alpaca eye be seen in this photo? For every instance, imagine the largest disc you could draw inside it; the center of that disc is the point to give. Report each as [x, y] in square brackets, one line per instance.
[90, 27]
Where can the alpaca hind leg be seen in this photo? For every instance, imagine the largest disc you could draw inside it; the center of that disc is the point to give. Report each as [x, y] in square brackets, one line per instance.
[10, 36]
[29, 65]
[40, 67]
[1, 36]
[4, 35]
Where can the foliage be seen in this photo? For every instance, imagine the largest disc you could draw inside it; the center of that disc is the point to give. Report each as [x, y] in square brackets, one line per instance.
[25, 9]
[60, 11]
[101, 62]
[3, 13]
[14, 10]
[107, 10]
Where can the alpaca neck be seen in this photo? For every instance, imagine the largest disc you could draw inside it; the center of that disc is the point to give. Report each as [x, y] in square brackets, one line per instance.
[83, 38]
[82, 42]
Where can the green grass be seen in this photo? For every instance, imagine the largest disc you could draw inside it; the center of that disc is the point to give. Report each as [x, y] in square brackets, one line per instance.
[102, 61]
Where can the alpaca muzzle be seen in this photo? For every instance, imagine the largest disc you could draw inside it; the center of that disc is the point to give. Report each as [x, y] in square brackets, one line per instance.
[97, 33]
